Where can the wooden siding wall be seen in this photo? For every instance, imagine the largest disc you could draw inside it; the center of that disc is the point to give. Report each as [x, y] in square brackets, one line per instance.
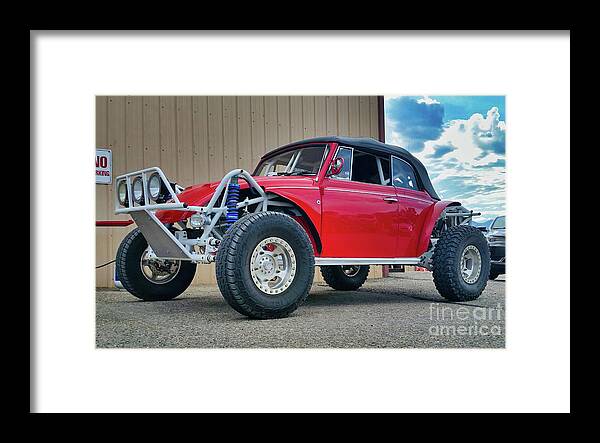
[198, 139]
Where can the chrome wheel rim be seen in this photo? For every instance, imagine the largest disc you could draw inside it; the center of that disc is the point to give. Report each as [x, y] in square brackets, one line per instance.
[158, 271]
[273, 265]
[351, 271]
[470, 264]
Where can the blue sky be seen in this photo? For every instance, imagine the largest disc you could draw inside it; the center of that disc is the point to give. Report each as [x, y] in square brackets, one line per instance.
[461, 141]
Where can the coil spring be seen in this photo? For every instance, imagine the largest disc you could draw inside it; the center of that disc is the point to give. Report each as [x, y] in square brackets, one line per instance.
[233, 197]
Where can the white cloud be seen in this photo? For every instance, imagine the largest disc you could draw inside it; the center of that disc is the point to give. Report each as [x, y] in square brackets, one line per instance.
[428, 100]
[480, 139]
[466, 159]
[466, 162]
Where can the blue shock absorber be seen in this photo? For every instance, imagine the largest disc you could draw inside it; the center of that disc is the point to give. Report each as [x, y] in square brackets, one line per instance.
[233, 198]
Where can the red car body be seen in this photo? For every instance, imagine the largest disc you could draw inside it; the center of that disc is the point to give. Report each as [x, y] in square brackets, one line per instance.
[344, 218]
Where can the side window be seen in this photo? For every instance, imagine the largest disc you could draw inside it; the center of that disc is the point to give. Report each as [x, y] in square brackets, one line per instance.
[384, 172]
[369, 168]
[346, 154]
[403, 175]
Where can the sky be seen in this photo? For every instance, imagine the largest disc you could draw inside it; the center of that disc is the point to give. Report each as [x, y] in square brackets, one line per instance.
[461, 142]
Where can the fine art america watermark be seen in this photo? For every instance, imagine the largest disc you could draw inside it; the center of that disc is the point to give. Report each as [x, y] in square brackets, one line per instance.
[452, 320]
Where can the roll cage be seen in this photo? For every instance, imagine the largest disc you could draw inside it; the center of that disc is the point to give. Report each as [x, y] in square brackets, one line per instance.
[171, 243]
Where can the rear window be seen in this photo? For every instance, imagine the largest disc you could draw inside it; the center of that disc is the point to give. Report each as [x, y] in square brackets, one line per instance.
[403, 175]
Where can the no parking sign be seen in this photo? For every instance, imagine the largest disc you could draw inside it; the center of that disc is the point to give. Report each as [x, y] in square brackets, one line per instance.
[103, 166]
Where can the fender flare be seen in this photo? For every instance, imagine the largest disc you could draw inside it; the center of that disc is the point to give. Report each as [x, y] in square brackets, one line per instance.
[310, 214]
[435, 211]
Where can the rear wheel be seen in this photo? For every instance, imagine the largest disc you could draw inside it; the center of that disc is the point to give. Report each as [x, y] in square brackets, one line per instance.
[148, 278]
[345, 278]
[265, 265]
[461, 263]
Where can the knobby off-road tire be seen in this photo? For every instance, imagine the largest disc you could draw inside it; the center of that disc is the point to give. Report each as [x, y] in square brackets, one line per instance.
[338, 278]
[447, 274]
[233, 263]
[132, 277]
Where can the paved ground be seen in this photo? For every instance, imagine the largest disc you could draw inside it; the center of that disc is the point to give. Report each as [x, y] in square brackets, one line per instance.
[401, 311]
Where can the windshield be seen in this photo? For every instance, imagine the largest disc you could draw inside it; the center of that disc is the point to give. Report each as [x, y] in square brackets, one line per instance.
[499, 223]
[303, 161]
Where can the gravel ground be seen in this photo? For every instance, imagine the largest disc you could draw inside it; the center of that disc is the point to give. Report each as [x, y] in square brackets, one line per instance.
[402, 311]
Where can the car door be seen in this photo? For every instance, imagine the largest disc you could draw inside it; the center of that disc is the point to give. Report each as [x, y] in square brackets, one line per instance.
[412, 205]
[359, 212]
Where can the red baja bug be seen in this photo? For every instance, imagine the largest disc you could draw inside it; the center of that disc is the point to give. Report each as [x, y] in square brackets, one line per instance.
[339, 203]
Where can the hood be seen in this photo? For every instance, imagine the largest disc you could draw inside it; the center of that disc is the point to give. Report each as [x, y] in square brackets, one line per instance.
[200, 195]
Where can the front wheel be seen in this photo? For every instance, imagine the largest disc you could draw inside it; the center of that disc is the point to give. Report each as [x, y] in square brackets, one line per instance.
[461, 263]
[265, 265]
[149, 278]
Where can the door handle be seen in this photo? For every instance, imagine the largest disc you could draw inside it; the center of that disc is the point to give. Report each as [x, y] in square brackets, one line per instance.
[390, 199]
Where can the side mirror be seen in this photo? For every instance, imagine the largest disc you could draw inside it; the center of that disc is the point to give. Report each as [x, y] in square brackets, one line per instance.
[336, 166]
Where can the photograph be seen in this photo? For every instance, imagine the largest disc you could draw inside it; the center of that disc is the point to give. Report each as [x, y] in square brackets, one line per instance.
[300, 221]
[319, 216]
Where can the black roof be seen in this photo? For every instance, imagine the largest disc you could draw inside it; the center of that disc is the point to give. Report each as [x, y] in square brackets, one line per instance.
[375, 146]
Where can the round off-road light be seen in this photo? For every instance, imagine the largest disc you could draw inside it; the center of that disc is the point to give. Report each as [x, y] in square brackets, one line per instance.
[197, 220]
[122, 193]
[138, 190]
[154, 186]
